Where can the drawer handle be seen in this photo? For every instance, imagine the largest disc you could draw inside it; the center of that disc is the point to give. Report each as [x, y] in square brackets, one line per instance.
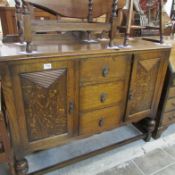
[71, 107]
[103, 97]
[101, 122]
[171, 118]
[105, 71]
[130, 95]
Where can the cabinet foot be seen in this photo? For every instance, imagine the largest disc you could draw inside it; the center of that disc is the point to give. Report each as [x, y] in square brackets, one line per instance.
[146, 126]
[12, 169]
[22, 167]
[29, 47]
[149, 126]
[158, 132]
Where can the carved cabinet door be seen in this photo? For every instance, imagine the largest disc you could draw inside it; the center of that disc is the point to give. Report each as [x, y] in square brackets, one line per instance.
[44, 98]
[146, 81]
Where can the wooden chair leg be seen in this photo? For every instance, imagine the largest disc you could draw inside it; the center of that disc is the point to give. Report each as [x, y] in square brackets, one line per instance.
[112, 33]
[128, 25]
[161, 20]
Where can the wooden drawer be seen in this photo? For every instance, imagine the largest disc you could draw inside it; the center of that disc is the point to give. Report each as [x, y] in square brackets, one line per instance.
[103, 69]
[100, 120]
[101, 95]
[171, 92]
[168, 118]
[170, 105]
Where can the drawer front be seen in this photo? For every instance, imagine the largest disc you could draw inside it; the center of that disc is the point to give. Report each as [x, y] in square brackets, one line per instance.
[103, 69]
[171, 92]
[100, 120]
[102, 95]
[170, 105]
[168, 118]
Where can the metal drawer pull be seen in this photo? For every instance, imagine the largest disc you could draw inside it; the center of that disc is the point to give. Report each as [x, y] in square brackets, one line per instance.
[103, 97]
[130, 95]
[105, 71]
[71, 107]
[171, 118]
[101, 122]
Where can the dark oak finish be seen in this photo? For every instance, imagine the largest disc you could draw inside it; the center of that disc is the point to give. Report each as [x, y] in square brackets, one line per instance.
[65, 92]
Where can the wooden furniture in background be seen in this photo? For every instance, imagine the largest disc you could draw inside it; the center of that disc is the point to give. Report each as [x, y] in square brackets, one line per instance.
[62, 93]
[149, 19]
[87, 10]
[6, 154]
[8, 19]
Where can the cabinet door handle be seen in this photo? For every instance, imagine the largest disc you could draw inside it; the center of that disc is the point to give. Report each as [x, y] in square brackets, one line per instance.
[103, 97]
[101, 122]
[130, 95]
[71, 107]
[105, 71]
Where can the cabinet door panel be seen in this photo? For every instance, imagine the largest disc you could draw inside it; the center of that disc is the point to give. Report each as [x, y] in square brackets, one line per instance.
[42, 101]
[44, 96]
[144, 81]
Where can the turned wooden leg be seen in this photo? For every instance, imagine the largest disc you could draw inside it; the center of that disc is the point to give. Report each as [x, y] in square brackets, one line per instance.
[149, 127]
[22, 167]
[12, 169]
[146, 126]
[126, 38]
[29, 47]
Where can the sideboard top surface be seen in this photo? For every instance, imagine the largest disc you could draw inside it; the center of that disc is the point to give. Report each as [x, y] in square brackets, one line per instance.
[16, 51]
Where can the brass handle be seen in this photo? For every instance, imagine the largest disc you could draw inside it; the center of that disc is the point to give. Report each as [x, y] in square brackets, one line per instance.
[105, 71]
[71, 107]
[171, 118]
[130, 95]
[101, 122]
[103, 97]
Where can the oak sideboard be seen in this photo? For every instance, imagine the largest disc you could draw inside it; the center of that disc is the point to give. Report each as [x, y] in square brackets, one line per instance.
[64, 92]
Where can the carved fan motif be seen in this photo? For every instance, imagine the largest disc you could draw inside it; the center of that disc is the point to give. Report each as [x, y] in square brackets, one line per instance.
[44, 95]
[149, 64]
[44, 79]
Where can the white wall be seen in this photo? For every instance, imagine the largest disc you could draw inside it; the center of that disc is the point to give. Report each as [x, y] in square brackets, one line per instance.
[11, 2]
[168, 6]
